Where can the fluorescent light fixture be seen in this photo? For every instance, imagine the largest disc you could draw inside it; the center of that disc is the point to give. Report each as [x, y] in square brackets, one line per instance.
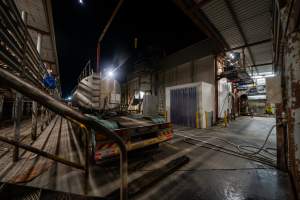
[263, 76]
[257, 97]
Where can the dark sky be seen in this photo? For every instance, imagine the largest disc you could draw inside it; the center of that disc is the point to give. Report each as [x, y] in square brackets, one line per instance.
[156, 23]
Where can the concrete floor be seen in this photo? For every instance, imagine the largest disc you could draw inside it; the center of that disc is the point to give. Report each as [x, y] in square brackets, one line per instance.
[216, 175]
[210, 174]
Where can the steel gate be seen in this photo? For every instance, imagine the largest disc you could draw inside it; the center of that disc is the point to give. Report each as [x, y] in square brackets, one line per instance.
[184, 106]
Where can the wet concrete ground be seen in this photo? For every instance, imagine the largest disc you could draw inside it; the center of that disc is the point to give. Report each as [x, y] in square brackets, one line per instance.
[210, 174]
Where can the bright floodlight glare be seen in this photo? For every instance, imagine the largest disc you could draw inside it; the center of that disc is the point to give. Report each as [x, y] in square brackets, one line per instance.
[142, 94]
[81, 1]
[110, 73]
[69, 98]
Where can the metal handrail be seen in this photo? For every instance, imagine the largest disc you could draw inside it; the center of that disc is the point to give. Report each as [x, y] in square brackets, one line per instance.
[25, 88]
[86, 71]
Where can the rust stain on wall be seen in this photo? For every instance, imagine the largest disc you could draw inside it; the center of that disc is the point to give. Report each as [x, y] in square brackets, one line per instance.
[296, 94]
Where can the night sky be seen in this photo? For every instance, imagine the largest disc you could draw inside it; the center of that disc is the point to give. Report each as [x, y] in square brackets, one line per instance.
[156, 23]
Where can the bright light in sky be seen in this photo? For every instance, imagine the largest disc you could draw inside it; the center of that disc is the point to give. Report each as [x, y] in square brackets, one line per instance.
[81, 1]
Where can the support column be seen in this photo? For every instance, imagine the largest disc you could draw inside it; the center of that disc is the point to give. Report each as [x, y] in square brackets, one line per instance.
[34, 104]
[34, 120]
[293, 102]
[42, 118]
[1, 105]
[17, 123]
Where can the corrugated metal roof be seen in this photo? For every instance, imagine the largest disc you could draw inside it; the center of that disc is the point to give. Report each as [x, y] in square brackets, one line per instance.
[262, 53]
[264, 69]
[254, 18]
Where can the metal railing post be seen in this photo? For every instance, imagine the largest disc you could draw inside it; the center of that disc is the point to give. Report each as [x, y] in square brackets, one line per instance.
[1, 105]
[34, 120]
[17, 123]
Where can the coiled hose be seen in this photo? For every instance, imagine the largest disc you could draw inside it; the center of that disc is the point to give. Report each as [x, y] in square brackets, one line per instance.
[244, 150]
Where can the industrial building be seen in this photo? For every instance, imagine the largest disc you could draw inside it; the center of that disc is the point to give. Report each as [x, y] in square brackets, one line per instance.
[215, 118]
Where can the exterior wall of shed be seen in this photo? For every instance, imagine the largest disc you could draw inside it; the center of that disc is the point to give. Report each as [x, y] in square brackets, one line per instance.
[205, 101]
[39, 22]
[198, 70]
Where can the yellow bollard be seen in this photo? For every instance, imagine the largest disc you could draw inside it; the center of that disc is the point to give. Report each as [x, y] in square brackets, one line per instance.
[225, 119]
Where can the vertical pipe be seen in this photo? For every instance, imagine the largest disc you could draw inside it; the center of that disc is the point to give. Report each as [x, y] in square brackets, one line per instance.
[17, 122]
[140, 102]
[1, 105]
[216, 88]
[98, 69]
[42, 118]
[197, 119]
[244, 59]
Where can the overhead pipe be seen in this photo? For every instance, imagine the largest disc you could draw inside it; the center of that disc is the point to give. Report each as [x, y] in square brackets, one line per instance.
[98, 69]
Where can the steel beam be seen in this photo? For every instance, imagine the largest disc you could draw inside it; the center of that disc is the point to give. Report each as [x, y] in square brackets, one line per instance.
[250, 45]
[200, 4]
[203, 23]
[262, 64]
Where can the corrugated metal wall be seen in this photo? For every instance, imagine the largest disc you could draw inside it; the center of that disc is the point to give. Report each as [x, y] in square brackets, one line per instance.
[193, 71]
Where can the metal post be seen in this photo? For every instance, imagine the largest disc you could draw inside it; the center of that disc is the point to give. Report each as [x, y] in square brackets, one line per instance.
[292, 61]
[140, 102]
[1, 105]
[42, 118]
[34, 120]
[17, 122]
[34, 104]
